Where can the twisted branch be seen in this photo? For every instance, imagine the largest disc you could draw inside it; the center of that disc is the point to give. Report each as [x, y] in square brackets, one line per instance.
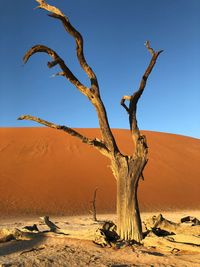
[98, 144]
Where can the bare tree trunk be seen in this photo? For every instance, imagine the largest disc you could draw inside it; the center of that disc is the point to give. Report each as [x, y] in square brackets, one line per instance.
[128, 171]
[129, 226]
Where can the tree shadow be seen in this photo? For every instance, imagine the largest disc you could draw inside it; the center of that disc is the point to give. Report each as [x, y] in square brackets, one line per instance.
[20, 245]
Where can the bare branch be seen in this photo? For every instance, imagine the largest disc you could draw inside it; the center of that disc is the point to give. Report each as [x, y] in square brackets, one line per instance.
[56, 60]
[58, 74]
[53, 63]
[147, 44]
[98, 144]
[137, 137]
[44, 5]
[56, 13]
[93, 92]
[135, 97]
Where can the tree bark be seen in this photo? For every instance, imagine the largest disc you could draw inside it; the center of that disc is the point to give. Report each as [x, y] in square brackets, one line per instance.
[129, 225]
[128, 171]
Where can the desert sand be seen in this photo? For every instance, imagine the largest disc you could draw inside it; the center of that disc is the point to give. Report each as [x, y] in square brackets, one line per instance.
[75, 246]
[47, 172]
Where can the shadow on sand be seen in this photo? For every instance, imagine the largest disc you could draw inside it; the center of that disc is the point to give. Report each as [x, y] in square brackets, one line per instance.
[20, 245]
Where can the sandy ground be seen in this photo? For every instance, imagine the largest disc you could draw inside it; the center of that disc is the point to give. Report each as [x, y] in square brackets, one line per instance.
[77, 249]
[45, 171]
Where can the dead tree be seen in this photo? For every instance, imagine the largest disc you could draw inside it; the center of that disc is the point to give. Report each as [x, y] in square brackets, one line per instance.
[127, 169]
[93, 202]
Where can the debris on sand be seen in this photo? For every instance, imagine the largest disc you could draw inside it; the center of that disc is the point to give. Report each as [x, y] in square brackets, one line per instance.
[165, 235]
[163, 240]
[190, 219]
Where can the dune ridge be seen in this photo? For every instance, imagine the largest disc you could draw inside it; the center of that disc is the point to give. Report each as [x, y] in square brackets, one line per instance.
[44, 171]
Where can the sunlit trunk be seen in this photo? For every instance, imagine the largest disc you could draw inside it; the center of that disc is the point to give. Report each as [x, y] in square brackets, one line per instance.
[129, 225]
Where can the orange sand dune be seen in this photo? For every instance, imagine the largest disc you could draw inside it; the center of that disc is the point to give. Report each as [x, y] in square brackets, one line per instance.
[44, 171]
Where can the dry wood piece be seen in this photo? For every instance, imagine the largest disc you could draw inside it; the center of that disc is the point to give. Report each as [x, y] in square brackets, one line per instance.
[158, 224]
[127, 169]
[190, 219]
[94, 211]
[172, 237]
[53, 228]
[50, 224]
[31, 228]
[106, 235]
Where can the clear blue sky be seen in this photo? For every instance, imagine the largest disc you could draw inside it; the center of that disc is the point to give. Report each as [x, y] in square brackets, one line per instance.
[114, 32]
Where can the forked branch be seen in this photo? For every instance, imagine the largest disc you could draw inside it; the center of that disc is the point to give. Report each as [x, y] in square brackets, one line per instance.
[98, 144]
[132, 108]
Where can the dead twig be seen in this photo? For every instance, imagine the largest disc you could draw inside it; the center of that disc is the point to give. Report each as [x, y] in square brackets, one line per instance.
[93, 202]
